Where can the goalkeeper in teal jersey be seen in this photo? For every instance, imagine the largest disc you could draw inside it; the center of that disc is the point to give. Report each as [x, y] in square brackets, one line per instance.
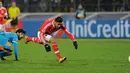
[12, 38]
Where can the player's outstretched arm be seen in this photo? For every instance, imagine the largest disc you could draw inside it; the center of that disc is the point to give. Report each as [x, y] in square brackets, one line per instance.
[70, 35]
[15, 44]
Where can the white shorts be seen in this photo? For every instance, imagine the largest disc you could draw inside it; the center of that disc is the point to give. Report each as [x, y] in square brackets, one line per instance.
[2, 28]
[46, 36]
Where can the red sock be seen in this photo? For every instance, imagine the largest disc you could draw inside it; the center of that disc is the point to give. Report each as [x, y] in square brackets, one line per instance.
[56, 50]
[34, 39]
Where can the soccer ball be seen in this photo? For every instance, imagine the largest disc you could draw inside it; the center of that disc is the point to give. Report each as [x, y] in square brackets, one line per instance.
[129, 58]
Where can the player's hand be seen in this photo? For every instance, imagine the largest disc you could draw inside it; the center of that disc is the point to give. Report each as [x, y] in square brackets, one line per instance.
[47, 47]
[75, 44]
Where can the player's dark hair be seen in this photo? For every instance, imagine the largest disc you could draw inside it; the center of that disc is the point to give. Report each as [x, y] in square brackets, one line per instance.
[20, 31]
[59, 19]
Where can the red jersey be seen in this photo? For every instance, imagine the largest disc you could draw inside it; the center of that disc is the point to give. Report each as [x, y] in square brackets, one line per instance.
[3, 13]
[48, 28]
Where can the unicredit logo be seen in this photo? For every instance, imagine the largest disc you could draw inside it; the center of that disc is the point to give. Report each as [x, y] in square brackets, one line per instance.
[99, 28]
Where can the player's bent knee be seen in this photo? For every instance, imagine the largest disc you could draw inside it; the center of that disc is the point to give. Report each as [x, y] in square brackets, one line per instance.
[7, 54]
[4, 53]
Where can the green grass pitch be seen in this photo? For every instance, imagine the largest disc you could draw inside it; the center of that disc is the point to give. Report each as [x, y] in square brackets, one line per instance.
[92, 56]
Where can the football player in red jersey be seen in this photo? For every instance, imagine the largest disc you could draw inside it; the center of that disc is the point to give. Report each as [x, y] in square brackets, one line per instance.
[3, 14]
[44, 36]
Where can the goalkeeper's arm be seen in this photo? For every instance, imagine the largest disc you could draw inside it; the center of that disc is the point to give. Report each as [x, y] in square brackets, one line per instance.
[15, 44]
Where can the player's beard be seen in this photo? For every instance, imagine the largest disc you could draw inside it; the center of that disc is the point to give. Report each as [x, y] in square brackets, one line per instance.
[58, 27]
[19, 37]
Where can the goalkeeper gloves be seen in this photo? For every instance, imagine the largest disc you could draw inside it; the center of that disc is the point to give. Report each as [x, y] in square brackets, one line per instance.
[47, 47]
[75, 44]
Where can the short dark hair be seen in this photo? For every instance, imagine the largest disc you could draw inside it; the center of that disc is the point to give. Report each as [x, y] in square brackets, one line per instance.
[58, 19]
[21, 31]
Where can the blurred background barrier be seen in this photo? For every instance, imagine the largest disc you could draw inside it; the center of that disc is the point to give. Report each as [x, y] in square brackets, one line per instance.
[95, 25]
[71, 16]
[70, 5]
[87, 28]
[84, 18]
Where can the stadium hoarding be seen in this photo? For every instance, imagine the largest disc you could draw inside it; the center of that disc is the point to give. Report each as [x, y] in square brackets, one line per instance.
[87, 28]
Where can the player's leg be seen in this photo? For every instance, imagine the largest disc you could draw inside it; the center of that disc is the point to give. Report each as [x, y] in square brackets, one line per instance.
[7, 47]
[51, 39]
[33, 39]
[3, 41]
[3, 52]
[14, 25]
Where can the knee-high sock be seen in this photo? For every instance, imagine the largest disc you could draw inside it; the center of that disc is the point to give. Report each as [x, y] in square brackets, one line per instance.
[34, 39]
[56, 49]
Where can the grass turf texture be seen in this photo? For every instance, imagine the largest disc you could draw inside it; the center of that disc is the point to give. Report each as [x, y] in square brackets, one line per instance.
[92, 56]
